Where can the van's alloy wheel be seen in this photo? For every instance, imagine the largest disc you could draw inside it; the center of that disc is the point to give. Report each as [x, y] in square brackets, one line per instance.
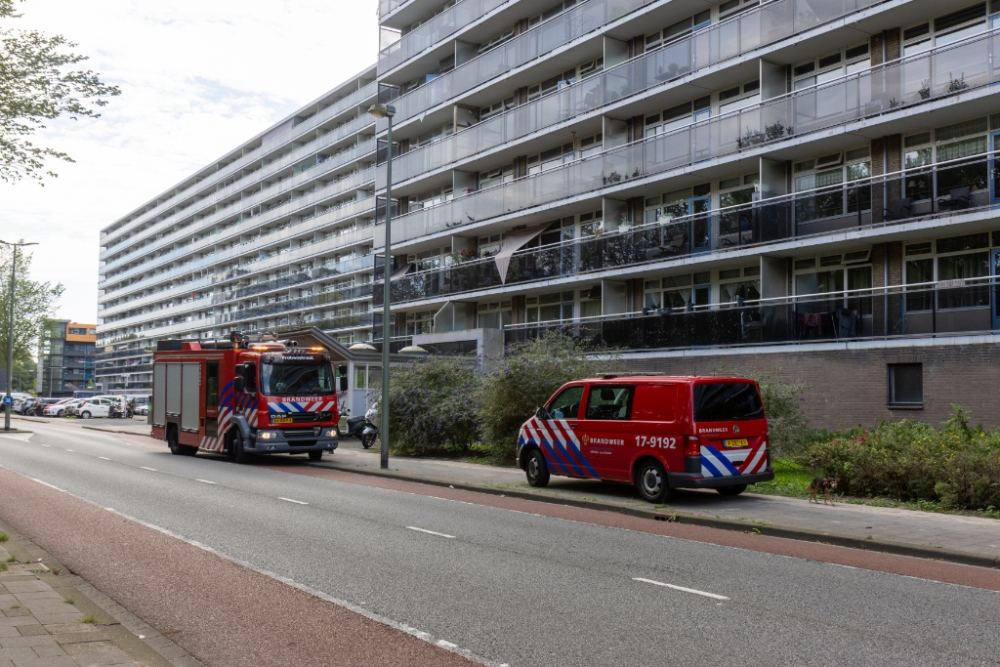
[651, 482]
[536, 469]
[85, 414]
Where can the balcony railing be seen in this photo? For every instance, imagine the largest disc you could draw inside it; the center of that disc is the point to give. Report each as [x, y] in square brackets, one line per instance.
[948, 70]
[433, 31]
[721, 42]
[928, 309]
[957, 186]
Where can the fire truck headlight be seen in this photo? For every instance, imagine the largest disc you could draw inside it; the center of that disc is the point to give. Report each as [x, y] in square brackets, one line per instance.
[330, 433]
[267, 435]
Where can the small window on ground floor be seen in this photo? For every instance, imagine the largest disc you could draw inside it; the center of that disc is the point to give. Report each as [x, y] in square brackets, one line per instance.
[906, 385]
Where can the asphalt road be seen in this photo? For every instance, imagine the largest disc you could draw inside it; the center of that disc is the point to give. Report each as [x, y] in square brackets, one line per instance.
[519, 588]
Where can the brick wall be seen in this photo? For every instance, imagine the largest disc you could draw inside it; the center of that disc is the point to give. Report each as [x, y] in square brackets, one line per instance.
[845, 388]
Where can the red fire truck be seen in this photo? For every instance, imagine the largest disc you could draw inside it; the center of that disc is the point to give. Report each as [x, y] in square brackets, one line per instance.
[245, 395]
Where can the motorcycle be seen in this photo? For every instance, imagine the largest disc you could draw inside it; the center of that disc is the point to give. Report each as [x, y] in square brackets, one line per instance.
[364, 428]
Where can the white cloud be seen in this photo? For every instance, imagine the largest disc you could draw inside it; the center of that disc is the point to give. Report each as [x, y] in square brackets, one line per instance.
[198, 78]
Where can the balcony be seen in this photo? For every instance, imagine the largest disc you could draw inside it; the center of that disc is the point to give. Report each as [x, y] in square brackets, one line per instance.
[721, 42]
[944, 190]
[916, 311]
[433, 31]
[879, 92]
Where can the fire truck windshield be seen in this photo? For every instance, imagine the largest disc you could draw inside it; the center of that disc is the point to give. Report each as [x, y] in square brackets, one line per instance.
[308, 377]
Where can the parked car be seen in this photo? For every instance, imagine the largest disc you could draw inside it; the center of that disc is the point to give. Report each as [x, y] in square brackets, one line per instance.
[96, 407]
[57, 409]
[22, 407]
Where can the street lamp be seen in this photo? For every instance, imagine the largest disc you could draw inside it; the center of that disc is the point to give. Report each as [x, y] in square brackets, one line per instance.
[387, 112]
[8, 400]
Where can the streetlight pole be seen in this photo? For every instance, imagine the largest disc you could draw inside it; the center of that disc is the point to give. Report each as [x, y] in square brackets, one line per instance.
[10, 333]
[387, 112]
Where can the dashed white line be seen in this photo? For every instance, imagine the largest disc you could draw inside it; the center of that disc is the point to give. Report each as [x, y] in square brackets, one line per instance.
[204, 481]
[46, 445]
[430, 532]
[681, 588]
[71, 450]
[104, 458]
[149, 469]
[51, 486]
[289, 500]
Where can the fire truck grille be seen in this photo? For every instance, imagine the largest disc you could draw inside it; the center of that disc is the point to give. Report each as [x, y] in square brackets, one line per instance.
[299, 417]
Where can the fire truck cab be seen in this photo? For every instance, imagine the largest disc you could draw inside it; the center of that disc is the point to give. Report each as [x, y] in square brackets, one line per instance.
[246, 395]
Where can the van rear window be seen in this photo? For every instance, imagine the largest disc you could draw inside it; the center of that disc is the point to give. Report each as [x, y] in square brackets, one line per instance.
[726, 401]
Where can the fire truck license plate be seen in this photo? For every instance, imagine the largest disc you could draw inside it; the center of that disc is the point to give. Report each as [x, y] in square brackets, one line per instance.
[736, 444]
[288, 420]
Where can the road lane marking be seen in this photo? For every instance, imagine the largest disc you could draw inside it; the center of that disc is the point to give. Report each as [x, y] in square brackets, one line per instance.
[149, 469]
[71, 450]
[430, 532]
[289, 500]
[46, 445]
[104, 458]
[51, 486]
[204, 481]
[681, 588]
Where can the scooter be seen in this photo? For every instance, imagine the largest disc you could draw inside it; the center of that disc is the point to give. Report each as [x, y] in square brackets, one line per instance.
[364, 428]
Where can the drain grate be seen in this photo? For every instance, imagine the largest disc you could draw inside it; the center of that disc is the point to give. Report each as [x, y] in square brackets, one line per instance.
[26, 568]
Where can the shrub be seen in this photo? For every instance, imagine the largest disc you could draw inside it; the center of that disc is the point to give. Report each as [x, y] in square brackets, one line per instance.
[524, 379]
[433, 405]
[957, 465]
[787, 424]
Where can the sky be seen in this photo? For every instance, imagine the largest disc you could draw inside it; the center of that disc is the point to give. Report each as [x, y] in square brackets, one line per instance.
[198, 78]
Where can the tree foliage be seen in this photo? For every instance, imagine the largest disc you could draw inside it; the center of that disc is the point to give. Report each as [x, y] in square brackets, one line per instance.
[33, 303]
[38, 83]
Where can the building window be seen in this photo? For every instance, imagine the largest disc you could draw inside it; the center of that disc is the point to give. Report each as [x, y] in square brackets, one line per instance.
[957, 261]
[831, 66]
[945, 29]
[826, 181]
[495, 315]
[679, 116]
[906, 385]
[554, 307]
[967, 139]
[679, 30]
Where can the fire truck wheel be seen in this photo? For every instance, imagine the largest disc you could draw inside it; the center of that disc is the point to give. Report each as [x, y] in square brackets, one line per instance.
[651, 481]
[315, 456]
[536, 469]
[236, 452]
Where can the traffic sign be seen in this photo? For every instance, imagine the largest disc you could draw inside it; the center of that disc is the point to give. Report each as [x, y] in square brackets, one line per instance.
[8, 400]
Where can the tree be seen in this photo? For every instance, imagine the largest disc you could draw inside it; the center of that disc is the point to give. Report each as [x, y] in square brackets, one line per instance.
[38, 83]
[33, 302]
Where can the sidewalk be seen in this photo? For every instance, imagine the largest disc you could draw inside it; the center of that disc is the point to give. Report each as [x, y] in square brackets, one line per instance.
[52, 618]
[956, 538]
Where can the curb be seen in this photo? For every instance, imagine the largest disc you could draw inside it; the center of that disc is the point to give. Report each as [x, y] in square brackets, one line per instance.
[879, 546]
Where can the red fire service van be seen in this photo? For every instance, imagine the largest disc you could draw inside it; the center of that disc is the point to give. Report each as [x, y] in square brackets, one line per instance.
[245, 395]
[656, 432]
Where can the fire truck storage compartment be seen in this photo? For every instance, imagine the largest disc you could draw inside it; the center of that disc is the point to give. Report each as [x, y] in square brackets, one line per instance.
[191, 397]
[177, 393]
[159, 396]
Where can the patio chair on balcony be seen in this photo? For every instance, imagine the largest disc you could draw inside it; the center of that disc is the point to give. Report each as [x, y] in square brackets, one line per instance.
[958, 199]
[899, 209]
[676, 247]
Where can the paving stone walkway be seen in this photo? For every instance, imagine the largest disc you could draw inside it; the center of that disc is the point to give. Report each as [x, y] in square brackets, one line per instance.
[51, 618]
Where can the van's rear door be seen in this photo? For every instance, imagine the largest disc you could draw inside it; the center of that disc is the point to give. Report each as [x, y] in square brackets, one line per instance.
[729, 421]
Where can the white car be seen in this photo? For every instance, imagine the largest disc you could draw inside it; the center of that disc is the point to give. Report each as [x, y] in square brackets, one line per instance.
[58, 409]
[95, 407]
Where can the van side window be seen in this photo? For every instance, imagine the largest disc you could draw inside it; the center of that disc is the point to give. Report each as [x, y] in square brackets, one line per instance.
[607, 402]
[567, 404]
[655, 403]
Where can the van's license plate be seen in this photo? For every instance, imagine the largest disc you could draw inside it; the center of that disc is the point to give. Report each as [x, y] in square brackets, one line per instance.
[736, 444]
[288, 420]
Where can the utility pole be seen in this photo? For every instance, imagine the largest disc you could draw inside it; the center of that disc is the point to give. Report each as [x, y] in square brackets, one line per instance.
[8, 399]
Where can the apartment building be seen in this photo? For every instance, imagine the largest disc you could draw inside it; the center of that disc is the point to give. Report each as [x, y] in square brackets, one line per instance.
[66, 358]
[804, 188]
[274, 234]
[799, 187]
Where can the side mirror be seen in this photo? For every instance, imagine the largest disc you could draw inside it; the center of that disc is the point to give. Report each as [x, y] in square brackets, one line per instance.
[239, 369]
[342, 370]
[343, 383]
[543, 414]
[239, 384]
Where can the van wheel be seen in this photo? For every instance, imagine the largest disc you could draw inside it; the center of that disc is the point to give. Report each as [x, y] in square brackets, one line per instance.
[236, 453]
[536, 469]
[85, 414]
[732, 490]
[651, 482]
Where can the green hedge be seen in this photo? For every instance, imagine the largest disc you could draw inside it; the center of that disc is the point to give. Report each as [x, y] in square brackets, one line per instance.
[956, 465]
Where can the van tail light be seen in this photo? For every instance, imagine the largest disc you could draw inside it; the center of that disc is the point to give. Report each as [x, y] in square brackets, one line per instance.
[692, 446]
